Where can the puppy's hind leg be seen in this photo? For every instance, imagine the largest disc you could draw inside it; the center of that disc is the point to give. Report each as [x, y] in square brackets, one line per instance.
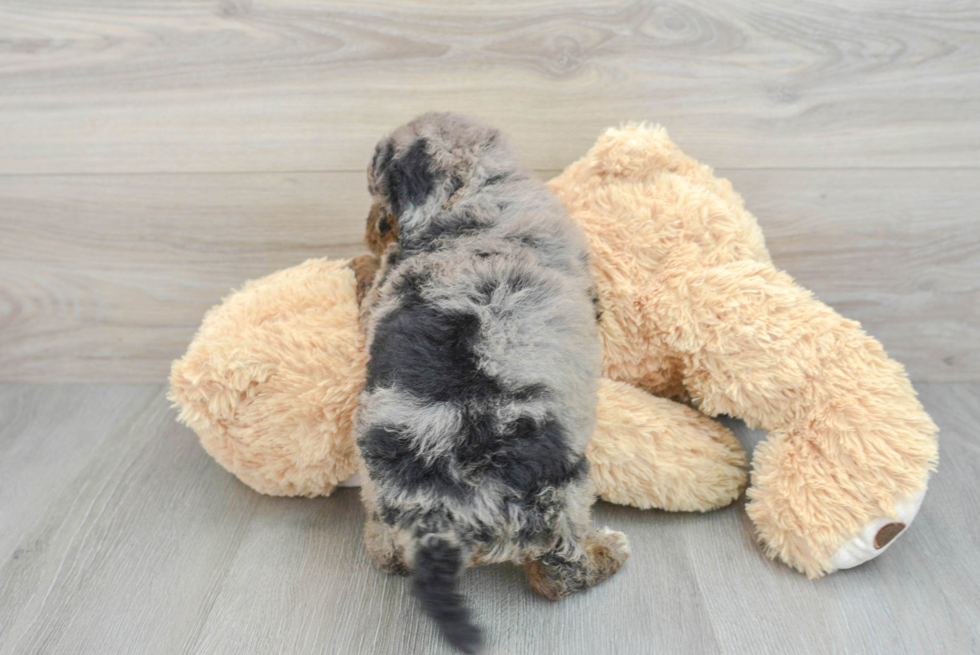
[384, 549]
[573, 566]
[608, 550]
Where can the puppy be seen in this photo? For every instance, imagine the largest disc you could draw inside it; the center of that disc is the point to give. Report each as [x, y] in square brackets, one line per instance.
[482, 373]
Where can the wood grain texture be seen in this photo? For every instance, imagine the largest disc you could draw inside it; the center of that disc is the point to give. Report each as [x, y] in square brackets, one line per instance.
[898, 251]
[144, 545]
[234, 85]
[106, 277]
[157, 154]
[47, 435]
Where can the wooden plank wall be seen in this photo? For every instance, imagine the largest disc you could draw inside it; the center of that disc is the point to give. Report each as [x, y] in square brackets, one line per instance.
[153, 155]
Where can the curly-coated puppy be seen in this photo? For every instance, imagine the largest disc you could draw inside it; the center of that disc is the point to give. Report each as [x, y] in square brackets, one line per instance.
[482, 373]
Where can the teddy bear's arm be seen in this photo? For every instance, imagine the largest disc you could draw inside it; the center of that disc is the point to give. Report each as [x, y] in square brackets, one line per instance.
[652, 452]
[849, 444]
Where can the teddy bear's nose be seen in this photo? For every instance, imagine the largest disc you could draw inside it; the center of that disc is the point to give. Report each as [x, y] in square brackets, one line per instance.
[887, 533]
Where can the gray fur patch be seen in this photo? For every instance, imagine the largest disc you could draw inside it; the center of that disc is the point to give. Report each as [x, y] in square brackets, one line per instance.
[484, 358]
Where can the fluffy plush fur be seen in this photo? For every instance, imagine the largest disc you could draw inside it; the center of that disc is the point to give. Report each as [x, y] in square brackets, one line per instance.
[482, 372]
[693, 306]
[693, 310]
[271, 381]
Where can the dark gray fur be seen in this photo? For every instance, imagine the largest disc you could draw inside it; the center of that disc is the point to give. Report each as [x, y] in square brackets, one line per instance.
[482, 376]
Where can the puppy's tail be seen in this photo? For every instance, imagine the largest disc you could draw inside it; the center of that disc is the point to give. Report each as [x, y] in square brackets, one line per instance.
[438, 563]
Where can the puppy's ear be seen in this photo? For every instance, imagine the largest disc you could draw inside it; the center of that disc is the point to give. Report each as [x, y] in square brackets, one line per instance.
[365, 267]
[409, 177]
[381, 229]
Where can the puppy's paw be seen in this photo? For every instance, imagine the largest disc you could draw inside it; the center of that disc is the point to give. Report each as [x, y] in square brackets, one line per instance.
[393, 565]
[608, 550]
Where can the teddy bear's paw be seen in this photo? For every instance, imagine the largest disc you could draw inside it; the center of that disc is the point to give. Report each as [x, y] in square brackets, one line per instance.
[877, 535]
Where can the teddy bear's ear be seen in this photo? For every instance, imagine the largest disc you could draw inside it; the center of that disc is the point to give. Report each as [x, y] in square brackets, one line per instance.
[406, 178]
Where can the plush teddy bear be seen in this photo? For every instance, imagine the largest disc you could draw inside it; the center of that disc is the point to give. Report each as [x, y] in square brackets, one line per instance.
[270, 385]
[693, 313]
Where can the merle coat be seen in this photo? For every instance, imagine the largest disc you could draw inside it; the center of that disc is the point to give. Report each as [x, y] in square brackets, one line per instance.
[483, 366]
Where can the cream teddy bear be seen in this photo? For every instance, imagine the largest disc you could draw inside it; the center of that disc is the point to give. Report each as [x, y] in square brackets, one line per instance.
[694, 315]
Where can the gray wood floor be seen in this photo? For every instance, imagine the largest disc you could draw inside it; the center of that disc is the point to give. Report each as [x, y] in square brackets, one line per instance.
[153, 155]
[119, 535]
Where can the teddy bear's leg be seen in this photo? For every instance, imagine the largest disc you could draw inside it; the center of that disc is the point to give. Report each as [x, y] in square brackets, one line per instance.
[849, 448]
[877, 534]
[820, 511]
[653, 452]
